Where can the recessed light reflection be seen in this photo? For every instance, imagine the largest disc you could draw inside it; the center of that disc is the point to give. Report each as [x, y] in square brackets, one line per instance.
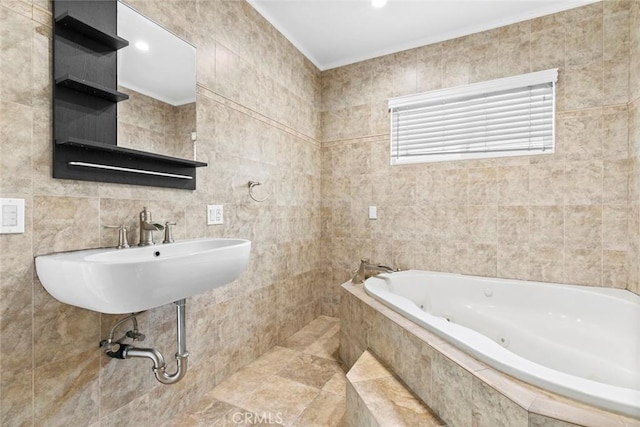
[378, 3]
[143, 46]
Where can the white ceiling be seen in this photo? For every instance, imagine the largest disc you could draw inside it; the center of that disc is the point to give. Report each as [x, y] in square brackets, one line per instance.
[333, 33]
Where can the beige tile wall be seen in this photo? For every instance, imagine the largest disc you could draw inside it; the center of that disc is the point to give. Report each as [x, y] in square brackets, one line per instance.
[556, 218]
[634, 150]
[257, 119]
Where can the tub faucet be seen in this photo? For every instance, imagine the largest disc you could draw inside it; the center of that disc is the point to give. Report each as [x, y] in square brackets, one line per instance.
[364, 271]
[147, 227]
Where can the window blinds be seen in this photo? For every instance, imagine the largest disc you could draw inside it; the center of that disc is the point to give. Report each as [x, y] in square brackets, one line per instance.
[513, 116]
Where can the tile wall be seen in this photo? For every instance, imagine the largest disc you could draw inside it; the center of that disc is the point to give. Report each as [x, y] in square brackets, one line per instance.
[256, 110]
[555, 218]
[634, 150]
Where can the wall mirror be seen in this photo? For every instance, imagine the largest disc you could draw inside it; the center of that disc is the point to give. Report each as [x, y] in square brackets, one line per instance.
[158, 72]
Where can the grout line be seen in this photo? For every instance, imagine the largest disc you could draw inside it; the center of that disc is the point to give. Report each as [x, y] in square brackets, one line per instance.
[228, 102]
[355, 140]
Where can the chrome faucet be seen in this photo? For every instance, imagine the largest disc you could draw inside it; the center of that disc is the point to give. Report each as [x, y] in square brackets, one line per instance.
[364, 271]
[147, 227]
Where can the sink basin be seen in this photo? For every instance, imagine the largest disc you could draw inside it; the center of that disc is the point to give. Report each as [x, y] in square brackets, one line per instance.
[117, 281]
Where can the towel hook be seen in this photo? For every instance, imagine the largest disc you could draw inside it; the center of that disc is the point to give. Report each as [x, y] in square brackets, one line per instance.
[254, 184]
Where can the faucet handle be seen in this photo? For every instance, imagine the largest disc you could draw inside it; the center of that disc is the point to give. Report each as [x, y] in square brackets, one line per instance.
[122, 235]
[168, 232]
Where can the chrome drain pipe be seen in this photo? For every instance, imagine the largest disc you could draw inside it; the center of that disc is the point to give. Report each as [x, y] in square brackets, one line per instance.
[159, 366]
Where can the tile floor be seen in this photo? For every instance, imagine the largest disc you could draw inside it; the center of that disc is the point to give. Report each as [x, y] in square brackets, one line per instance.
[301, 383]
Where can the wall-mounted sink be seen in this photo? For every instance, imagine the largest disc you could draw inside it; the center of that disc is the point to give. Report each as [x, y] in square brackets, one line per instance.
[120, 281]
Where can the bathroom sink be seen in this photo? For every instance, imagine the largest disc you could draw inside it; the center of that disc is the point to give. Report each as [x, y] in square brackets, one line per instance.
[119, 281]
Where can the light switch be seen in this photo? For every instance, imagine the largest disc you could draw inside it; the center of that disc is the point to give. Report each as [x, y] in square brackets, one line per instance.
[12, 211]
[9, 215]
[373, 212]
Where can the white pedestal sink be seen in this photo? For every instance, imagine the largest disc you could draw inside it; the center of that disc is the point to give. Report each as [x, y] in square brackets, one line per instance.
[117, 281]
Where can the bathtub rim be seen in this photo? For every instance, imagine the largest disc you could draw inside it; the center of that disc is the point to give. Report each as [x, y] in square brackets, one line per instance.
[528, 397]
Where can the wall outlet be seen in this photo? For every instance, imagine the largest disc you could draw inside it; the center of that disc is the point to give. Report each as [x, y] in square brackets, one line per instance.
[215, 214]
[11, 216]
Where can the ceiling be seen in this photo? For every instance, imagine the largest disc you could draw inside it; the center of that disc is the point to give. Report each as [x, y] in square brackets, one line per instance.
[333, 33]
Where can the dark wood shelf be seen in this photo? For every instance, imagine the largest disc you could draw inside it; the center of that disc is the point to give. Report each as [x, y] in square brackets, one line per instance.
[94, 145]
[109, 40]
[94, 89]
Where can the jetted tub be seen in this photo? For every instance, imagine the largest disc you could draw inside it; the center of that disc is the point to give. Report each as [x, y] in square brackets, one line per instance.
[582, 342]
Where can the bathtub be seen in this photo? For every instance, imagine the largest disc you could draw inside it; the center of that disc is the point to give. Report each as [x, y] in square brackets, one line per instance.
[581, 342]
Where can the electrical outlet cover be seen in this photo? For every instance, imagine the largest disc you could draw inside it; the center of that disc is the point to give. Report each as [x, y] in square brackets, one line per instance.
[215, 214]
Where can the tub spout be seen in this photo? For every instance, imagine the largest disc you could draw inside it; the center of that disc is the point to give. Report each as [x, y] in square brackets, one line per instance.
[365, 268]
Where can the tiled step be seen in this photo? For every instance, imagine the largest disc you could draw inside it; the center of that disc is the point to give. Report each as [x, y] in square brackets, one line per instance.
[376, 397]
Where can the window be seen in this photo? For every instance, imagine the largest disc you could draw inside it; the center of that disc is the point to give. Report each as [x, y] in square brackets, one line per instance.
[513, 116]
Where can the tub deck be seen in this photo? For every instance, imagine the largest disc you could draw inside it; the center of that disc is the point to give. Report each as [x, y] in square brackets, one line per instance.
[460, 389]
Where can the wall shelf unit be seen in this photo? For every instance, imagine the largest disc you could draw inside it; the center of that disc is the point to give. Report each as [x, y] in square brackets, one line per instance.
[85, 98]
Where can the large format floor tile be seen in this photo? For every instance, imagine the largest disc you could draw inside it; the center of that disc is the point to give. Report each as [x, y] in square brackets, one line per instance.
[299, 384]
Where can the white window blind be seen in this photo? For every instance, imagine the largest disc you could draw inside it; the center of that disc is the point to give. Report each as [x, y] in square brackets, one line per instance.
[513, 116]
